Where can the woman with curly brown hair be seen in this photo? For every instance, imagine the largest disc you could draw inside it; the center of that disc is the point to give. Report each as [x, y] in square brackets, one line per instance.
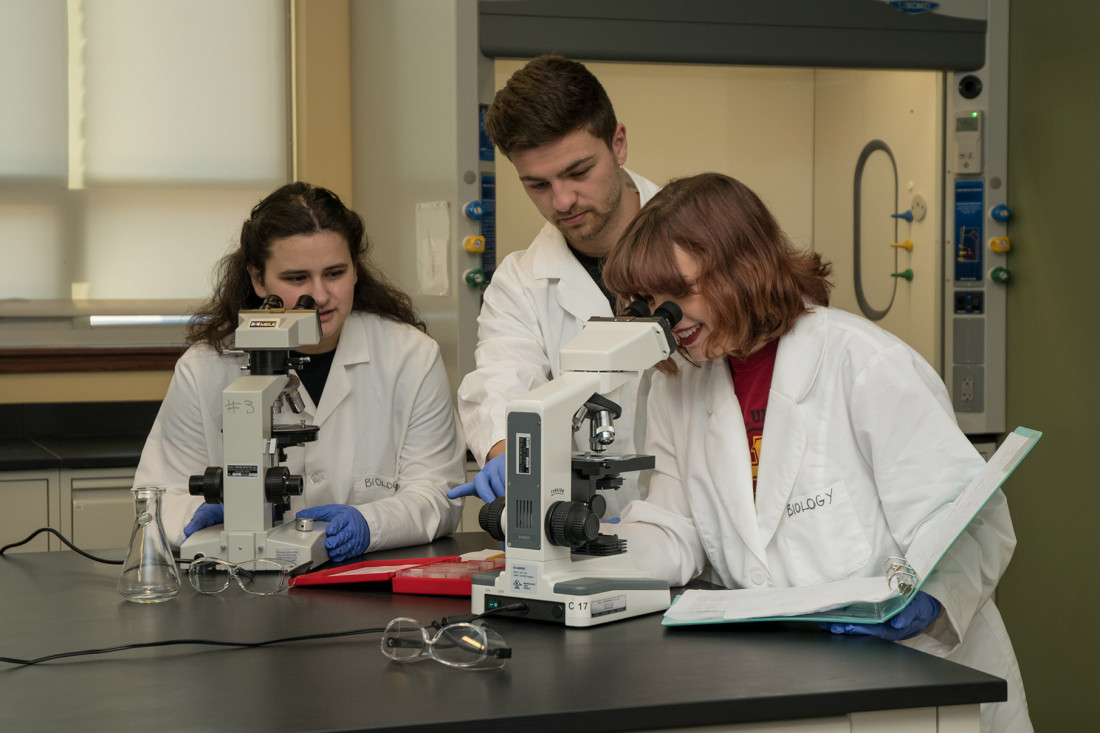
[388, 448]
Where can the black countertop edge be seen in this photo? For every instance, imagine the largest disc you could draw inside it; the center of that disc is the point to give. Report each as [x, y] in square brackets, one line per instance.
[74, 435]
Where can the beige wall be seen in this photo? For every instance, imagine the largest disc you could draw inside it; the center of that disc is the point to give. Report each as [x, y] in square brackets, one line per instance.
[83, 387]
[793, 136]
[669, 135]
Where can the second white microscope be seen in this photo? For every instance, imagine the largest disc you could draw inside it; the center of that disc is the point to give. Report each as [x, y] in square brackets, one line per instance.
[558, 567]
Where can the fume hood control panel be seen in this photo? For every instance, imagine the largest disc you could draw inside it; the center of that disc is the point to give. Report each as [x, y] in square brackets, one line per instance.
[968, 141]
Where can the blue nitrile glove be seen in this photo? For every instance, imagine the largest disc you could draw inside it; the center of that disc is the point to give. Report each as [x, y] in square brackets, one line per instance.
[207, 515]
[488, 484]
[348, 533]
[909, 621]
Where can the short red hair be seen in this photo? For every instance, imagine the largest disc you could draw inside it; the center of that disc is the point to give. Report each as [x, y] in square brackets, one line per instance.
[756, 282]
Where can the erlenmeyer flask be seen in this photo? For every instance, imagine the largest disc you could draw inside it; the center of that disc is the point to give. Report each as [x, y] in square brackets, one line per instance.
[149, 574]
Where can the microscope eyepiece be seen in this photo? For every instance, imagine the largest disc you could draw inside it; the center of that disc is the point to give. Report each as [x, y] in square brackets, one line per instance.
[638, 309]
[305, 303]
[271, 302]
[669, 312]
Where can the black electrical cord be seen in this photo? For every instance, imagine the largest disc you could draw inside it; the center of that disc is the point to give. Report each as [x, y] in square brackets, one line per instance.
[447, 621]
[210, 642]
[61, 537]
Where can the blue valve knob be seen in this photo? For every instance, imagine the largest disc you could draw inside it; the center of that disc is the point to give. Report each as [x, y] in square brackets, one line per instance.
[474, 210]
[1001, 213]
[907, 215]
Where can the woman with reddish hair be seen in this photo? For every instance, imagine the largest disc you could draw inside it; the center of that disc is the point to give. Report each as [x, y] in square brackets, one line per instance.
[796, 443]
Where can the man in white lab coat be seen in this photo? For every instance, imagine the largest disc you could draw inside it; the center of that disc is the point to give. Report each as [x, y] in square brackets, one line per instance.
[555, 123]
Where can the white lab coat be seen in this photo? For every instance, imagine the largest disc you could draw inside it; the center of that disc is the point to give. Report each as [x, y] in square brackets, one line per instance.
[538, 300]
[388, 442]
[859, 422]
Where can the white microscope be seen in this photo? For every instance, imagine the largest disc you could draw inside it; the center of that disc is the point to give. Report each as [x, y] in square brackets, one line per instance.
[252, 484]
[558, 567]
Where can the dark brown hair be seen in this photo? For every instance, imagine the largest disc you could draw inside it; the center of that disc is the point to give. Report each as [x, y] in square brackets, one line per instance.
[293, 209]
[756, 282]
[547, 99]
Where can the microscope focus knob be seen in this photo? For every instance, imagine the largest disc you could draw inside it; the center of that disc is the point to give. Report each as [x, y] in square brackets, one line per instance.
[208, 485]
[490, 517]
[279, 484]
[571, 524]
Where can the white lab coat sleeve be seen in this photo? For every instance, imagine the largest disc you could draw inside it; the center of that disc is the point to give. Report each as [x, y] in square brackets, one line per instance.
[431, 461]
[178, 445]
[922, 468]
[511, 358]
[661, 533]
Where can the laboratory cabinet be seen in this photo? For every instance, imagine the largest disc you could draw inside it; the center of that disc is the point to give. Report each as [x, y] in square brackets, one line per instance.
[70, 466]
[30, 499]
[98, 508]
[91, 507]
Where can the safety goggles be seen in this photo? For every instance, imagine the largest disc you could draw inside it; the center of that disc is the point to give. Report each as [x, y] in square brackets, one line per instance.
[464, 645]
[260, 577]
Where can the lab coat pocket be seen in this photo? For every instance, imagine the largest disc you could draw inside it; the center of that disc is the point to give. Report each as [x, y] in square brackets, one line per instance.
[370, 487]
[824, 536]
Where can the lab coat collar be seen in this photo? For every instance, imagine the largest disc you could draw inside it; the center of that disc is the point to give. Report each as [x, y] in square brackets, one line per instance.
[725, 428]
[351, 349]
[797, 363]
[577, 294]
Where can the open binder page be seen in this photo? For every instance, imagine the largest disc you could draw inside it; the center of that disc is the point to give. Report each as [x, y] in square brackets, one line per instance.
[936, 536]
[867, 600]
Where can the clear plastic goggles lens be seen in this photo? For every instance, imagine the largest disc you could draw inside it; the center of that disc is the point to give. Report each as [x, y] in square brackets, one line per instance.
[261, 577]
[466, 646]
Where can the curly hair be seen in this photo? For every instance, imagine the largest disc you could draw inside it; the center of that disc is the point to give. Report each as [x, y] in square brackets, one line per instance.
[547, 99]
[756, 282]
[296, 208]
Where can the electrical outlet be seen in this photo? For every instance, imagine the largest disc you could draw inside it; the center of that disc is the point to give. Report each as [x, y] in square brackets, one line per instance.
[966, 389]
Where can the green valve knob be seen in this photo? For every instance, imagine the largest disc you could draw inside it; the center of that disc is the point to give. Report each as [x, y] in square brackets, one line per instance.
[907, 274]
[475, 278]
[1000, 275]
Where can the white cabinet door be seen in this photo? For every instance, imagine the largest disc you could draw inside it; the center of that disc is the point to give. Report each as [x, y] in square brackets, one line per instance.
[101, 512]
[26, 500]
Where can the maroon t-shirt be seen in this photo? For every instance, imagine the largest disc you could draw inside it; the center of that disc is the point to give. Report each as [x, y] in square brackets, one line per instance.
[752, 380]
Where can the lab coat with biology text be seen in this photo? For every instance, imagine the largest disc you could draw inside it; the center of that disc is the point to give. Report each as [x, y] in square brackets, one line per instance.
[539, 299]
[860, 446]
[388, 442]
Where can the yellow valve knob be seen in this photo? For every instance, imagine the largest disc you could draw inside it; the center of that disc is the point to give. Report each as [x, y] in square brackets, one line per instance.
[906, 274]
[474, 243]
[907, 245]
[999, 244]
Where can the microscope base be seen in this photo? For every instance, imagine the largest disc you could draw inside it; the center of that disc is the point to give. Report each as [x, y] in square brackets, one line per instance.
[281, 542]
[583, 599]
